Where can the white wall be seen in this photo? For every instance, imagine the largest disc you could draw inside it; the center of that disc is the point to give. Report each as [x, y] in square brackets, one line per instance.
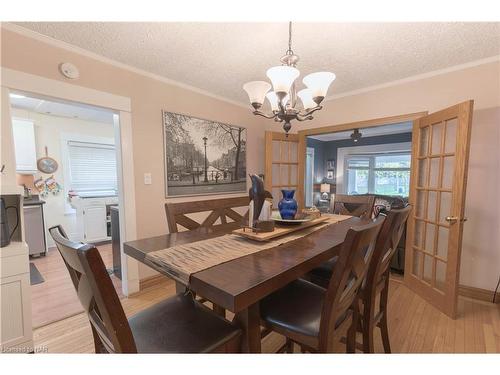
[48, 130]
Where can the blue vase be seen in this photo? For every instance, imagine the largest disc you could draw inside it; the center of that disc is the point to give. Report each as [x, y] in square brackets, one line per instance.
[287, 205]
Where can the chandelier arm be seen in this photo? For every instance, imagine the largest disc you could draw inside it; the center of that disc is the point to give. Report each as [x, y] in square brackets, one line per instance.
[304, 118]
[310, 111]
[259, 113]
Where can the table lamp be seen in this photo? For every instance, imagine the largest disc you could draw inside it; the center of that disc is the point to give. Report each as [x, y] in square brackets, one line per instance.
[325, 190]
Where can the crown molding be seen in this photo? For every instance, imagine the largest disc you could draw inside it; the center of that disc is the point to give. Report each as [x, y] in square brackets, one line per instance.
[81, 51]
[414, 78]
[69, 47]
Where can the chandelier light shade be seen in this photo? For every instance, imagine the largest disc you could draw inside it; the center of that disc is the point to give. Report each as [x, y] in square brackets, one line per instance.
[273, 100]
[306, 97]
[283, 98]
[319, 83]
[282, 78]
[256, 91]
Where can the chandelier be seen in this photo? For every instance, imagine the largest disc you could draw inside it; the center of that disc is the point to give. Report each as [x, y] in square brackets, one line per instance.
[283, 98]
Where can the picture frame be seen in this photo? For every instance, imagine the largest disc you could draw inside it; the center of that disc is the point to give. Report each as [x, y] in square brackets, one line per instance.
[202, 157]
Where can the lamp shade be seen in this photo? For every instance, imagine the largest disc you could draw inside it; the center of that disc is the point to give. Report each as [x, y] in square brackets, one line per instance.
[319, 83]
[256, 91]
[325, 188]
[282, 78]
[273, 100]
[306, 97]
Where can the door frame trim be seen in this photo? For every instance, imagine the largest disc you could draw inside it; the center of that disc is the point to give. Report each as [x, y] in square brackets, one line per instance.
[39, 85]
[362, 124]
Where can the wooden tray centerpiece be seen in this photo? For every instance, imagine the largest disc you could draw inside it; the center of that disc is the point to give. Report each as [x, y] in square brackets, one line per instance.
[278, 230]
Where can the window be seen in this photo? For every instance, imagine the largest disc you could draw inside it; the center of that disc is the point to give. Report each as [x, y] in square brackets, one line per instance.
[385, 174]
[92, 167]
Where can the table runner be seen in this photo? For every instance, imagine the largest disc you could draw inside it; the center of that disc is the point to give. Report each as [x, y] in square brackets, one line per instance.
[181, 261]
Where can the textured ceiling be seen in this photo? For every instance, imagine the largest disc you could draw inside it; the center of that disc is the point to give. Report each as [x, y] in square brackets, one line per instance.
[221, 57]
[61, 109]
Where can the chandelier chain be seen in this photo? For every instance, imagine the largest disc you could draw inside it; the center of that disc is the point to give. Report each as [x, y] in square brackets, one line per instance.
[290, 36]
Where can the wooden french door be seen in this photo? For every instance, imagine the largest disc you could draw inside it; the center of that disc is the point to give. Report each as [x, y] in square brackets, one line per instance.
[281, 165]
[440, 154]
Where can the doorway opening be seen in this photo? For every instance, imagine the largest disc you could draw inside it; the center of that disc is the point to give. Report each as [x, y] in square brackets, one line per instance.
[374, 161]
[67, 161]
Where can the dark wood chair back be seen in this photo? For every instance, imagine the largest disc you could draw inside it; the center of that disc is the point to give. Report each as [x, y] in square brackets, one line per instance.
[222, 209]
[387, 243]
[355, 205]
[110, 328]
[347, 278]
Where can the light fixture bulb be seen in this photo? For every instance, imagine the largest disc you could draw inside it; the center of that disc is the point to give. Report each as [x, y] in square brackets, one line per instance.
[282, 78]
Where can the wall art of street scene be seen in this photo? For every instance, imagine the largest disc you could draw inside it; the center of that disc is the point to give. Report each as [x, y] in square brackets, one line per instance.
[203, 156]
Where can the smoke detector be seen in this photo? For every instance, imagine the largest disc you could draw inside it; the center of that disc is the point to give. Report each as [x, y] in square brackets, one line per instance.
[69, 70]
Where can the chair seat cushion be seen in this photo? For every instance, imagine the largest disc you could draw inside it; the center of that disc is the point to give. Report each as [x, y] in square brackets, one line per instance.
[325, 270]
[296, 307]
[180, 325]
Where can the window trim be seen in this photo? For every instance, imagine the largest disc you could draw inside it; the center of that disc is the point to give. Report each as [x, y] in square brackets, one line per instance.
[371, 166]
[343, 152]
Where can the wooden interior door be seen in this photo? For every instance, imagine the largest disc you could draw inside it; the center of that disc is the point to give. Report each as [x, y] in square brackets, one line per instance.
[440, 156]
[281, 165]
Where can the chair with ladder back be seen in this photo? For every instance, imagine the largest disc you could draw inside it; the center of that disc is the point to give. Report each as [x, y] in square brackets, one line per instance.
[315, 317]
[176, 325]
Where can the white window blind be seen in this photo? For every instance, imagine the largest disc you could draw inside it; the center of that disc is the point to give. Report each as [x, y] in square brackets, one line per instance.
[378, 173]
[92, 167]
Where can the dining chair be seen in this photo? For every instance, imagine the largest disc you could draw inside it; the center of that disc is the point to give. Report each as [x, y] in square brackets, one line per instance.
[219, 209]
[176, 325]
[315, 317]
[354, 205]
[376, 285]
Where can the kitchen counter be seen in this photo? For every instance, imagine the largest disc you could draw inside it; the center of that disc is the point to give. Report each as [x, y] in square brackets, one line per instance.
[33, 202]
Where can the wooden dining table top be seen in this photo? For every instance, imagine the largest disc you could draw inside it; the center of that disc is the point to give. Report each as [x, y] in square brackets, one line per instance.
[241, 282]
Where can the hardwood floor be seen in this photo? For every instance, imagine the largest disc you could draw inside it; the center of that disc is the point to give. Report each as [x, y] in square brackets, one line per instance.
[55, 298]
[414, 325]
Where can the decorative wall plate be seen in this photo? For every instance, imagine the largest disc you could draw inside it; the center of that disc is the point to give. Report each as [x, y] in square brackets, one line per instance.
[46, 164]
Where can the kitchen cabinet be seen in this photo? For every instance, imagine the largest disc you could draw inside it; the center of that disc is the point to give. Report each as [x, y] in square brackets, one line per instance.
[16, 335]
[94, 222]
[24, 144]
[92, 217]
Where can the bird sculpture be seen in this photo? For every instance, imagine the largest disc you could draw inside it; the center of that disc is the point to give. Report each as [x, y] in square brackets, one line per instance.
[258, 195]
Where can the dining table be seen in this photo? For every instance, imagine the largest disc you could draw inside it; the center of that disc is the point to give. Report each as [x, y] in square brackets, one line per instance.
[239, 284]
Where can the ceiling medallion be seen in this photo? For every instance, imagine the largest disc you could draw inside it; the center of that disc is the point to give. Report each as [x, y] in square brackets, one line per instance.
[283, 100]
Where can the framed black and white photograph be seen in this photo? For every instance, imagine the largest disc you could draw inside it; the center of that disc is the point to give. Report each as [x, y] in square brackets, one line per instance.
[202, 156]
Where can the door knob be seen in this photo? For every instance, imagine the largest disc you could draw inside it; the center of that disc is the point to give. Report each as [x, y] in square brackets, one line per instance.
[451, 219]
